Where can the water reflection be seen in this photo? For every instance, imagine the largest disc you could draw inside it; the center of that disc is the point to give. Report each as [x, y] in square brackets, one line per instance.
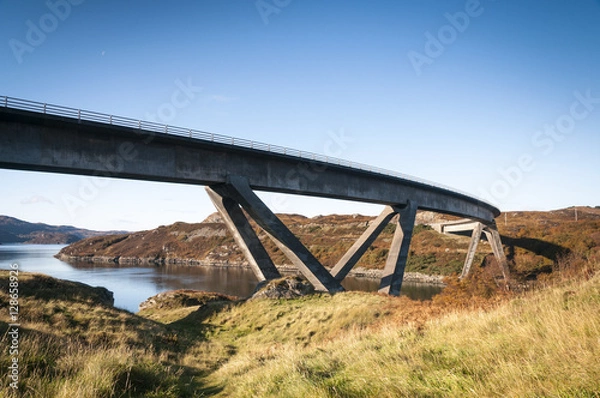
[413, 290]
[132, 285]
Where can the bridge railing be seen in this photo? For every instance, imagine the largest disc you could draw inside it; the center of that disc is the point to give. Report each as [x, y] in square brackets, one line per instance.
[80, 114]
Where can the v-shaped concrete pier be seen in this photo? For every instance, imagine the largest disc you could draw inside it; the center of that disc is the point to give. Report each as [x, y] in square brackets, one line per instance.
[55, 139]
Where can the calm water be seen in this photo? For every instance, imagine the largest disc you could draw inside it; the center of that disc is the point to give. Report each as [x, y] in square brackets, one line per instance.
[132, 285]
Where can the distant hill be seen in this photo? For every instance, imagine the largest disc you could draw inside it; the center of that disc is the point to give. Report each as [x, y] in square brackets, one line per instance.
[210, 243]
[13, 230]
[534, 242]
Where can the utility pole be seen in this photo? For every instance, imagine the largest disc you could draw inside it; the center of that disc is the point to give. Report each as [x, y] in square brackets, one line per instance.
[576, 214]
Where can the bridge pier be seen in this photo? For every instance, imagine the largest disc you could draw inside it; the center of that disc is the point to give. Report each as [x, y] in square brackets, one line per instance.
[475, 238]
[230, 198]
[493, 236]
[238, 189]
[393, 273]
[349, 260]
[243, 234]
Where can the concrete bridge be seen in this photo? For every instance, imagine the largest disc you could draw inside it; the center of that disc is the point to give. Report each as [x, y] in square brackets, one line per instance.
[49, 138]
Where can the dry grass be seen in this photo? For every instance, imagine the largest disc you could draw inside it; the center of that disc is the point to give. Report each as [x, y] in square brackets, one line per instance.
[475, 339]
[540, 344]
[73, 344]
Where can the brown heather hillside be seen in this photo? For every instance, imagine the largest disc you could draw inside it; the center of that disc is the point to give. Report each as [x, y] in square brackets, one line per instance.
[540, 242]
[475, 339]
[535, 242]
[328, 237]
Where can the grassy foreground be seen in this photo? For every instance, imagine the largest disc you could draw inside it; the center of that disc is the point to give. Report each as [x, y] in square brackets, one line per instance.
[74, 344]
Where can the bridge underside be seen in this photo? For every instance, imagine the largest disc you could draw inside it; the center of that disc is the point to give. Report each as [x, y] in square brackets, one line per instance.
[60, 144]
[235, 195]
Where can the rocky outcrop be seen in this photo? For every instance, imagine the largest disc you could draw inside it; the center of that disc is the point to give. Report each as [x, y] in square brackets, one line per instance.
[182, 298]
[413, 277]
[283, 288]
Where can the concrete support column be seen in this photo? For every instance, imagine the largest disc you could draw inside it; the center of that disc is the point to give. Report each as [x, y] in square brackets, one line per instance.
[349, 260]
[298, 254]
[475, 237]
[493, 236]
[391, 282]
[243, 234]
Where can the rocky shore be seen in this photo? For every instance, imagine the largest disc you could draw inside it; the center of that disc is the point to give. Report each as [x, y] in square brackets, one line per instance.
[359, 272]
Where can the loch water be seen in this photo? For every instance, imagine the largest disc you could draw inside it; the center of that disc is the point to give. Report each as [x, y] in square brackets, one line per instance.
[133, 285]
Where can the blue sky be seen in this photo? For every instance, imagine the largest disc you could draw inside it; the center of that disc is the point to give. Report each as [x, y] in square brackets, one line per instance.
[497, 98]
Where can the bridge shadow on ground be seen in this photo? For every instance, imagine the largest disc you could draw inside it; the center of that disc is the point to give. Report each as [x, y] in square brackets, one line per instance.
[549, 250]
[539, 247]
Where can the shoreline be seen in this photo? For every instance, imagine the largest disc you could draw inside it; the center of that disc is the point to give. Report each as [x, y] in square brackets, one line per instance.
[358, 272]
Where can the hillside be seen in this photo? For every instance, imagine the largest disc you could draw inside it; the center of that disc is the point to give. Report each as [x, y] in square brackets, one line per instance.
[209, 243]
[534, 242]
[13, 230]
[74, 343]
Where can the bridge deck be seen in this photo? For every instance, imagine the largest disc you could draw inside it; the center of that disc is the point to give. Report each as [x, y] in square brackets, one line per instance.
[61, 140]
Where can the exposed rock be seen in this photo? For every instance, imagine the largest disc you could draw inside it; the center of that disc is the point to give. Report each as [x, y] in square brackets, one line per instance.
[182, 298]
[214, 218]
[283, 288]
